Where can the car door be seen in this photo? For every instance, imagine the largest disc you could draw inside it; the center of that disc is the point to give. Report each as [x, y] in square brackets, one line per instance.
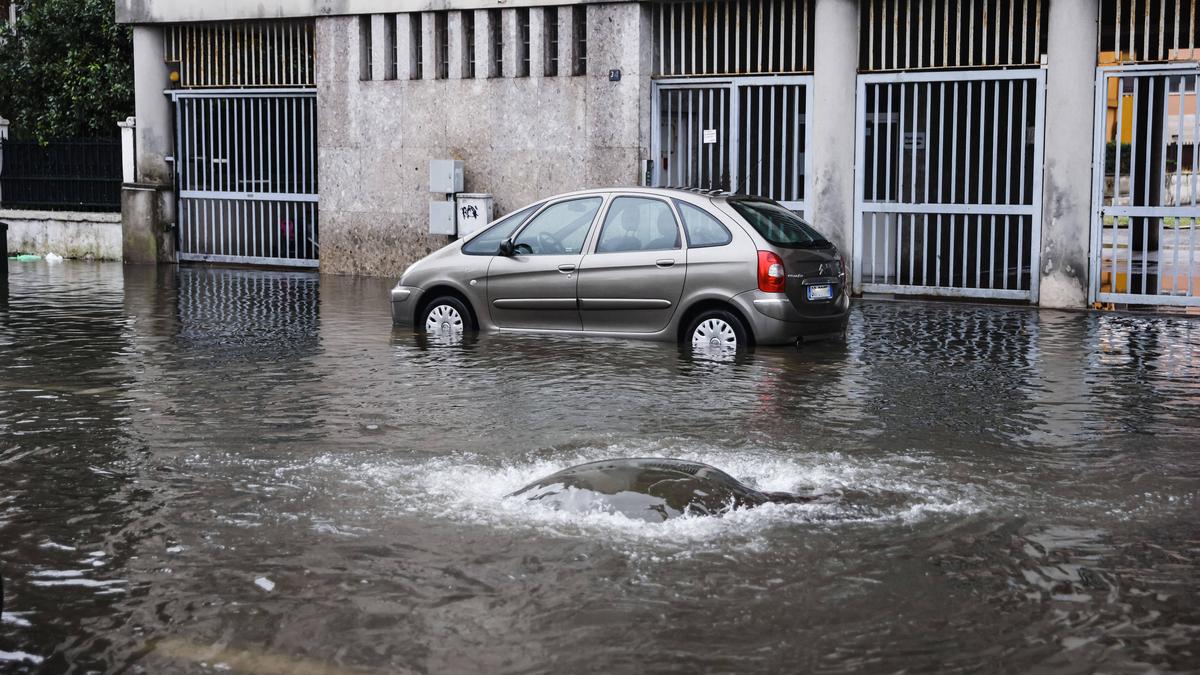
[535, 286]
[632, 279]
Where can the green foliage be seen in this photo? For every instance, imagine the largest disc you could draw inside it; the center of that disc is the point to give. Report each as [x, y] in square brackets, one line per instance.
[67, 71]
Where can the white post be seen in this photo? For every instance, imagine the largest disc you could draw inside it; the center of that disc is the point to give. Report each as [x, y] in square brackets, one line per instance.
[128, 150]
[3, 137]
[830, 190]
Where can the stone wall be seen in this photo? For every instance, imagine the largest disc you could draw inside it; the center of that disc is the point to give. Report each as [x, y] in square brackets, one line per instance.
[520, 138]
[70, 234]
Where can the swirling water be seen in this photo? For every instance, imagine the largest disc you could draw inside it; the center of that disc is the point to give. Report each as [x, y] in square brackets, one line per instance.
[214, 469]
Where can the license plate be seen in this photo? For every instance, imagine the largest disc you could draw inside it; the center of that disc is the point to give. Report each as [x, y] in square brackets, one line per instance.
[822, 292]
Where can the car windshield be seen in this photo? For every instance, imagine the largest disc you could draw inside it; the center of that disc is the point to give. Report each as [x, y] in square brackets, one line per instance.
[779, 226]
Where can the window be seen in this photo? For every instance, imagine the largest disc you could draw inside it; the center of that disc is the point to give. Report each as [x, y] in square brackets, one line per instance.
[523, 42]
[364, 47]
[496, 26]
[638, 224]
[579, 34]
[393, 50]
[778, 225]
[560, 229]
[488, 241]
[416, 28]
[550, 19]
[701, 228]
[468, 27]
[442, 42]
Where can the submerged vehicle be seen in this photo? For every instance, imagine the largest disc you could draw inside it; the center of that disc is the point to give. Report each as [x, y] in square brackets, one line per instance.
[650, 489]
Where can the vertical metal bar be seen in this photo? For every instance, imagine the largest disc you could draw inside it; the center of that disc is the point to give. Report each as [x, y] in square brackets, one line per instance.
[912, 152]
[870, 34]
[1133, 144]
[768, 22]
[895, 39]
[1181, 95]
[1149, 156]
[769, 153]
[785, 149]
[712, 146]
[1120, 135]
[1195, 133]
[900, 145]
[875, 143]
[887, 249]
[760, 150]
[887, 150]
[954, 149]
[967, 146]
[722, 107]
[921, 35]
[1037, 30]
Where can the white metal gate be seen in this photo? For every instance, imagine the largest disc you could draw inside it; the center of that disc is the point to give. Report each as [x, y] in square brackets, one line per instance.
[948, 180]
[1146, 195]
[739, 134]
[246, 174]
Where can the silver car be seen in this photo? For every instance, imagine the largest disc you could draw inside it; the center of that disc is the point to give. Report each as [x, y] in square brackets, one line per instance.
[716, 270]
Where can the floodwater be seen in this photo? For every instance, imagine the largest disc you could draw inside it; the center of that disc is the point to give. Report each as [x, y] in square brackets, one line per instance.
[216, 470]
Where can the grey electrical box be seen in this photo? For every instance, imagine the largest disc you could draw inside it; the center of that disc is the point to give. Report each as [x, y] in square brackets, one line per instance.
[441, 218]
[474, 211]
[446, 175]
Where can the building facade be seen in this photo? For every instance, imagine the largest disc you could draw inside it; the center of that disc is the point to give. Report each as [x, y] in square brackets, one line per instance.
[1038, 151]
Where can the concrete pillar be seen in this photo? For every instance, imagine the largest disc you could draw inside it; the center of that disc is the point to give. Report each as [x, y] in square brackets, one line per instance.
[537, 42]
[457, 35]
[429, 51]
[1067, 183]
[566, 39]
[485, 51]
[512, 38]
[381, 58]
[835, 66]
[151, 107]
[128, 150]
[148, 203]
[406, 46]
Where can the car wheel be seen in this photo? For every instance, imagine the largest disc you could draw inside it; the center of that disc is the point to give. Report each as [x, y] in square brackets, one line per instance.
[447, 316]
[718, 330]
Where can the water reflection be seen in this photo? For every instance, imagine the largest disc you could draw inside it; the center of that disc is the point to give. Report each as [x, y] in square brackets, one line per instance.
[168, 437]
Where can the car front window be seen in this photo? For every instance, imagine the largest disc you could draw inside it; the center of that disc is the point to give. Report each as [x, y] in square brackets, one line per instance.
[560, 229]
[488, 241]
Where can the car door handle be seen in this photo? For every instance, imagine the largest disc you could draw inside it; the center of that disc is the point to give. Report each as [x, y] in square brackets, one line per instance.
[665, 263]
[566, 269]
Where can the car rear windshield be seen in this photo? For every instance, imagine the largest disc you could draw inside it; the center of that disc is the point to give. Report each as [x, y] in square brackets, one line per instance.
[778, 225]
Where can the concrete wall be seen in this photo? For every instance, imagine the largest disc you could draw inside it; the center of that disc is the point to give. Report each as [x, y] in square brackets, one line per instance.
[521, 138]
[168, 11]
[70, 234]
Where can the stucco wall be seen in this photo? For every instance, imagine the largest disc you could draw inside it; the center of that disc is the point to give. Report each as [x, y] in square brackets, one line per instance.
[171, 11]
[69, 234]
[520, 138]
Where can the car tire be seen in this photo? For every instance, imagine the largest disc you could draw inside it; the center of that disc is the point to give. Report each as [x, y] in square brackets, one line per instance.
[446, 315]
[717, 329]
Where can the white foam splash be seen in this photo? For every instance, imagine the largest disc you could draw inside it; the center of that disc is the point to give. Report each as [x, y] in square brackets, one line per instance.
[472, 489]
[19, 657]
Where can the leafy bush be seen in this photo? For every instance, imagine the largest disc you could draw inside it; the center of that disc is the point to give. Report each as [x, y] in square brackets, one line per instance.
[66, 71]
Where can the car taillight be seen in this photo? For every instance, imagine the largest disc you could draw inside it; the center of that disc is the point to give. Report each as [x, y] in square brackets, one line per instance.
[770, 272]
[842, 266]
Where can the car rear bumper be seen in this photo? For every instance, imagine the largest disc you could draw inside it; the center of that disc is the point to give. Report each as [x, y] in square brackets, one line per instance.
[775, 319]
[404, 305]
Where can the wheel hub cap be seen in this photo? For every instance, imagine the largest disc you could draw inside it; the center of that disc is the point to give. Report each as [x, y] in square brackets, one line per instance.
[714, 334]
[444, 320]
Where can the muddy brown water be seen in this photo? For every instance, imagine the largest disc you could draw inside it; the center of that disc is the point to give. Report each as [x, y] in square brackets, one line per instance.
[205, 470]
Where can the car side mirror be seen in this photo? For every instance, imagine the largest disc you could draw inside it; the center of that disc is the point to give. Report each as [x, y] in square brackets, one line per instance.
[506, 248]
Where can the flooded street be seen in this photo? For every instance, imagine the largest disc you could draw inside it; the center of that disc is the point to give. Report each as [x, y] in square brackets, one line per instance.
[208, 469]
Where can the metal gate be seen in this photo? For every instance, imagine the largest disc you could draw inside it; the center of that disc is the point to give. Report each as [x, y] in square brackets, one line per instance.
[1146, 195]
[741, 134]
[948, 173]
[246, 172]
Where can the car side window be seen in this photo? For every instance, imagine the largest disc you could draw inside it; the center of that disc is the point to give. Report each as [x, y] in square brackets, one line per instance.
[488, 242]
[560, 229]
[638, 224]
[701, 228]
